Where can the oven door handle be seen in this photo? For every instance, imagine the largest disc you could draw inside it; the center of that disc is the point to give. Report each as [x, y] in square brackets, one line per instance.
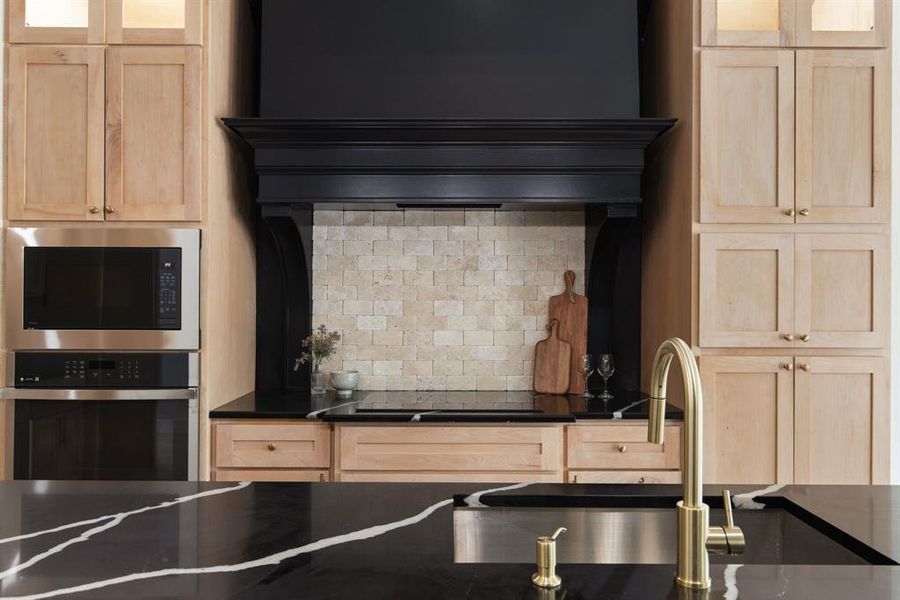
[120, 394]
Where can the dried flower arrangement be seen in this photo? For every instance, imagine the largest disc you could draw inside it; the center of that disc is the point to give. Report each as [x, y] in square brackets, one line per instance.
[318, 347]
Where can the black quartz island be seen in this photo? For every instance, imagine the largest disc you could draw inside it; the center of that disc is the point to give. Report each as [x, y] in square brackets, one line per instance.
[437, 407]
[395, 541]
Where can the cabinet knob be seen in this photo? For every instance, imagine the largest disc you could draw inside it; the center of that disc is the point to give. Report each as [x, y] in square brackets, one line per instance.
[271, 447]
[642, 480]
[93, 210]
[806, 367]
[790, 212]
[622, 447]
[787, 366]
[804, 212]
[804, 337]
[574, 478]
[322, 477]
[788, 336]
[109, 209]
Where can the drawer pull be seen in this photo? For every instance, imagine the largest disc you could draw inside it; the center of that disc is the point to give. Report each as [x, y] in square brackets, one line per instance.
[804, 212]
[804, 337]
[788, 336]
[641, 480]
[806, 367]
[271, 447]
[322, 477]
[787, 366]
[622, 447]
[790, 212]
[575, 479]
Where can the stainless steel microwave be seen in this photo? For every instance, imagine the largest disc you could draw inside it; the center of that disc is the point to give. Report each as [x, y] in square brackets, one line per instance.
[96, 288]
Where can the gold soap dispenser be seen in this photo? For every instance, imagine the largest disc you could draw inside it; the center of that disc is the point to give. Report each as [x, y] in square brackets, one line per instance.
[546, 576]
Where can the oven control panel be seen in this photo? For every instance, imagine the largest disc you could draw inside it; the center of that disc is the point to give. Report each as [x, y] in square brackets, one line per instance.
[111, 370]
[169, 288]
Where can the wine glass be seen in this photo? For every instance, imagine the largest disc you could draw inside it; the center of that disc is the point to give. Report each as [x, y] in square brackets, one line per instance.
[606, 366]
[587, 368]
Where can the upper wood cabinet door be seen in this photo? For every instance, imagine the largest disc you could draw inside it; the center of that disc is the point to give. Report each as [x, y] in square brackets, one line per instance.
[747, 136]
[843, 136]
[747, 22]
[843, 22]
[153, 136]
[55, 133]
[747, 290]
[749, 418]
[841, 420]
[154, 21]
[842, 290]
[55, 21]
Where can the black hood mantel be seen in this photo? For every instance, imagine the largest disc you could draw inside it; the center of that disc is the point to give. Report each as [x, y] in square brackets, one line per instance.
[418, 162]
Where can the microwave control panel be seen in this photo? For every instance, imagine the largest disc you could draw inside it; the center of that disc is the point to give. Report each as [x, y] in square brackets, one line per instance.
[169, 288]
[92, 370]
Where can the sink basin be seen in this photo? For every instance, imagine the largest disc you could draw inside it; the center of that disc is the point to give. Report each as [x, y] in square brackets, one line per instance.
[642, 535]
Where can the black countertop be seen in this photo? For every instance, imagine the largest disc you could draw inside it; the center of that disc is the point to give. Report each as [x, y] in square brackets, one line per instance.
[437, 407]
[265, 541]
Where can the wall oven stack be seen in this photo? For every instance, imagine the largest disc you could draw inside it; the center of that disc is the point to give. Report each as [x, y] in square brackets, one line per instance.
[103, 327]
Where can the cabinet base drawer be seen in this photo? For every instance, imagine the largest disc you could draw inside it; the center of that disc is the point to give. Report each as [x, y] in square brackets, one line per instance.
[450, 477]
[604, 447]
[623, 477]
[318, 475]
[272, 445]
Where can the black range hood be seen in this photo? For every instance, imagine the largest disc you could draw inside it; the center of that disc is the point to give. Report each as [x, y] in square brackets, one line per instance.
[449, 101]
[427, 162]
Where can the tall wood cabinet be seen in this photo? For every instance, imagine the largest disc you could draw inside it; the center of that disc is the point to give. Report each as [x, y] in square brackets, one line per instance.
[99, 131]
[779, 272]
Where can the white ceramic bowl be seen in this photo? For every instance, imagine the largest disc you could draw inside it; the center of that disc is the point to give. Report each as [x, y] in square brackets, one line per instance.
[344, 382]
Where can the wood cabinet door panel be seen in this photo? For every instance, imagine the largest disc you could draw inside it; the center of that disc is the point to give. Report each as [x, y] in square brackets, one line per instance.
[743, 23]
[843, 22]
[748, 419]
[841, 421]
[154, 22]
[746, 289]
[55, 22]
[288, 445]
[746, 136]
[55, 129]
[842, 290]
[601, 447]
[843, 136]
[153, 134]
[453, 448]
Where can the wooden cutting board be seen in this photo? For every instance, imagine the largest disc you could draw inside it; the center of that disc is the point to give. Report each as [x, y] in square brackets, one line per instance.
[551, 364]
[571, 311]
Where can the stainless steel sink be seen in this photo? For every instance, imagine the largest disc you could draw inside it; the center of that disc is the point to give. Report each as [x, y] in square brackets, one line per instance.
[620, 535]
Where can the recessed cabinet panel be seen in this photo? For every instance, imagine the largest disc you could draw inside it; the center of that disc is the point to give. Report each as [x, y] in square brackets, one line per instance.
[154, 21]
[153, 137]
[843, 22]
[843, 136]
[747, 22]
[55, 128]
[842, 290]
[56, 21]
[841, 421]
[747, 136]
[746, 290]
[748, 424]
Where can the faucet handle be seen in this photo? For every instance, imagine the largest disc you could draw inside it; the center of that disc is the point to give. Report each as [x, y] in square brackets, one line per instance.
[546, 576]
[728, 538]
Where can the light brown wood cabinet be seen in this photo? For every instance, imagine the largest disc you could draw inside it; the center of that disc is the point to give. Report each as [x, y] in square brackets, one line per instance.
[55, 133]
[448, 453]
[755, 102]
[748, 419]
[795, 22]
[131, 155]
[153, 138]
[621, 477]
[110, 21]
[785, 419]
[841, 420]
[271, 451]
[804, 290]
[843, 136]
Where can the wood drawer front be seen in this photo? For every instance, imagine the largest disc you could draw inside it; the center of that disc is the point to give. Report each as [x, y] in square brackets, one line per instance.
[273, 445]
[418, 448]
[315, 475]
[624, 477]
[449, 477]
[601, 447]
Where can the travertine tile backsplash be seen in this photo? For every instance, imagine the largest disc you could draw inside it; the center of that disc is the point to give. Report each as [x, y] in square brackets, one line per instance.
[441, 300]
